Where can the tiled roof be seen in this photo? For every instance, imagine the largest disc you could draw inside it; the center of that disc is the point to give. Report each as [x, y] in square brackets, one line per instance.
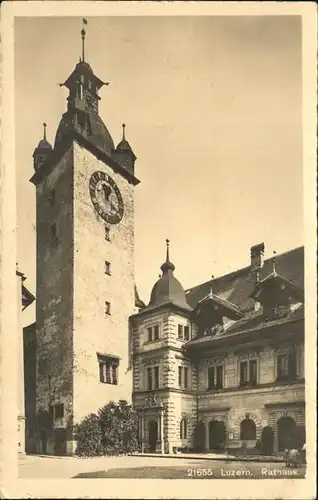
[253, 322]
[237, 286]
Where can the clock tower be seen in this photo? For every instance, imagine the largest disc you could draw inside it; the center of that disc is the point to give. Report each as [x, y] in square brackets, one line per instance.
[85, 266]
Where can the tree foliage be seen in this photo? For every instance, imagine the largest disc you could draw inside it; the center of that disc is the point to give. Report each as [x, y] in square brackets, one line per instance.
[112, 431]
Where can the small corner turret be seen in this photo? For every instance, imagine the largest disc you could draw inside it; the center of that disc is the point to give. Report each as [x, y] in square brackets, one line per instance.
[124, 154]
[42, 151]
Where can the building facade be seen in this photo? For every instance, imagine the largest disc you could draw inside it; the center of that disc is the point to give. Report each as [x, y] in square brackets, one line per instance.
[221, 366]
[24, 300]
[85, 266]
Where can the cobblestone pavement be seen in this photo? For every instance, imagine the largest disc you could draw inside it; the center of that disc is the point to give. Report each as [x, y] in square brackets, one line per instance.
[145, 467]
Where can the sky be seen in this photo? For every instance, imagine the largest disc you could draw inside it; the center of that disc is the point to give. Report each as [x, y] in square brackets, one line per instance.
[213, 112]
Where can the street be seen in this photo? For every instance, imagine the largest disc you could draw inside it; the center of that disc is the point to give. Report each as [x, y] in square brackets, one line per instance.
[151, 468]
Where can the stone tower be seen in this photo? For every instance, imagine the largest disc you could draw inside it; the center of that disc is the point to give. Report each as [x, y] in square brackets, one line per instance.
[85, 265]
[165, 379]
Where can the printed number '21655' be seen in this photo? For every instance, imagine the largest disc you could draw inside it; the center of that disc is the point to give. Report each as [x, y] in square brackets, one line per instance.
[200, 472]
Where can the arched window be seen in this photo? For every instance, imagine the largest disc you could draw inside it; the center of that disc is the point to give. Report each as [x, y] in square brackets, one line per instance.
[183, 429]
[248, 430]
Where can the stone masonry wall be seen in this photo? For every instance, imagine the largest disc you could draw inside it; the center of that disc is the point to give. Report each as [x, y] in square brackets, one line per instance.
[166, 352]
[233, 403]
[95, 331]
[54, 303]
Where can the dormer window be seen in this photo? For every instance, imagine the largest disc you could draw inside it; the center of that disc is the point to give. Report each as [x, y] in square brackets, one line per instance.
[276, 295]
[211, 311]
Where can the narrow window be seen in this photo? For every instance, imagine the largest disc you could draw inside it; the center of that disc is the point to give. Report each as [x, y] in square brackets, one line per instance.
[219, 377]
[180, 332]
[107, 233]
[253, 372]
[108, 370]
[80, 90]
[149, 379]
[53, 232]
[292, 372]
[282, 366]
[211, 377]
[186, 333]
[243, 373]
[183, 429]
[180, 376]
[149, 330]
[107, 307]
[59, 410]
[114, 374]
[107, 373]
[156, 377]
[156, 332]
[185, 371]
[107, 267]
[81, 118]
[102, 378]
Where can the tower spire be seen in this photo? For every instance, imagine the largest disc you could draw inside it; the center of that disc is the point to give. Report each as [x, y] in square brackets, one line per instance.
[83, 33]
[167, 266]
[274, 263]
[44, 131]
[167, 252]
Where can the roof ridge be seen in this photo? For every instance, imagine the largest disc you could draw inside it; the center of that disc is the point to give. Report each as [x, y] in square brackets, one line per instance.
[241, 270]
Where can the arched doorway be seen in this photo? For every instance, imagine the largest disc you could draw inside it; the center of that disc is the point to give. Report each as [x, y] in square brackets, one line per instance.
[199, 436]
[287, 434]
[153, 435]
[248, 430]
[217, 435]
[267, 440]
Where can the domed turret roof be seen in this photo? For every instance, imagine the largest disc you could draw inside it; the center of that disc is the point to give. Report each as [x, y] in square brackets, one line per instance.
[43, 144]
[168, 289]
[98, 132]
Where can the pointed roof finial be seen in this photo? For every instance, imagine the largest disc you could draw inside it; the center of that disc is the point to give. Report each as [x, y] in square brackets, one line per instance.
[167, 252]
[124, 127]
[211, 288]
[44, 131]
[167, 266]
[83, 33]
[274, 263]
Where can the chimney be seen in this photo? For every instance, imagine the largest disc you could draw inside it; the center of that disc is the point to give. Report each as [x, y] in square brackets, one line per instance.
[257, 259]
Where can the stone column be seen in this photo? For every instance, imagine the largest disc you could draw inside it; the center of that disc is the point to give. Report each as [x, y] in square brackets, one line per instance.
[142, 432]
[207, 436]
[162, 433]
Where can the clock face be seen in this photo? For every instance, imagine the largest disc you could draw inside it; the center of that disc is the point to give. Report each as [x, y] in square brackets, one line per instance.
[106, 197]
